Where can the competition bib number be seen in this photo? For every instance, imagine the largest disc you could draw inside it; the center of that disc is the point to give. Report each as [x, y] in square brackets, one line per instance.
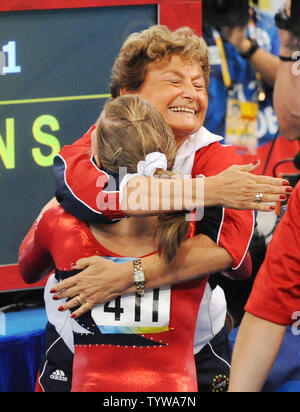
[134, 314]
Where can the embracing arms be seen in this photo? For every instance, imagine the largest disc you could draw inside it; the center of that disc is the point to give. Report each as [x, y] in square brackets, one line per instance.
[234, 188]
[102, 280]
[207, 253]
[92, 195]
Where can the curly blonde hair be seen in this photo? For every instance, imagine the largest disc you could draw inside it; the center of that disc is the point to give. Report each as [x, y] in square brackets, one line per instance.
[157, 42]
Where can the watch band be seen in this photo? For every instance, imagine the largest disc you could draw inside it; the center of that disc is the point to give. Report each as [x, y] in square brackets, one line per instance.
[254, 46]
[139, 277]
[288, 58]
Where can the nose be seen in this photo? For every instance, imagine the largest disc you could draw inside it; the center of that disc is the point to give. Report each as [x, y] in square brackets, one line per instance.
[188, 90]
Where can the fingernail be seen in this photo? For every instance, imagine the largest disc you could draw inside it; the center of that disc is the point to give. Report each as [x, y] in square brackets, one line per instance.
[52, 290]
[289, 190]
[272, 207]
[73, 316]
[283, 197]
[55, 298]
[61, 308]
[255, 163]
[285, 183]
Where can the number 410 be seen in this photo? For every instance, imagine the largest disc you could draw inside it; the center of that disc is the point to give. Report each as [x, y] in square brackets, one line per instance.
[9, 49]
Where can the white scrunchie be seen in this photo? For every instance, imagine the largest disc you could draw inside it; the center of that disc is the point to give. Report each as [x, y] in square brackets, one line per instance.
[147, 167]
[153, 161]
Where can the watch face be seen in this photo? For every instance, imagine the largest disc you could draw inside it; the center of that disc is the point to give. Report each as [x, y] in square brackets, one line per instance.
[139, 276]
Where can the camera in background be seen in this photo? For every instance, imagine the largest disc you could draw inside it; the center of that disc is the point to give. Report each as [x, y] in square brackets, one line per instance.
[231, 13]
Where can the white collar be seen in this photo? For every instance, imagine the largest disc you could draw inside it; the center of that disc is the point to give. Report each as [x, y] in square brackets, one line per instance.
[197, 141]
[185, 154]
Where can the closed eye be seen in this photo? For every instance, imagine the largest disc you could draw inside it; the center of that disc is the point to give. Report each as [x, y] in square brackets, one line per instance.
[199, 86]
[173, 81]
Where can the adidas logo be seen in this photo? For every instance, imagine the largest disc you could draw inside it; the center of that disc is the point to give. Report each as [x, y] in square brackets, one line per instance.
[59, 375]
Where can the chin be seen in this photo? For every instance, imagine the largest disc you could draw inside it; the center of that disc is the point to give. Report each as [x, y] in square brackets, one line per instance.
[186, 131]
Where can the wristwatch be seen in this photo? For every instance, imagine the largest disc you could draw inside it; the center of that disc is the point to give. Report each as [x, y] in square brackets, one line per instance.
[139, 277]
[294, 58]
[254, 46]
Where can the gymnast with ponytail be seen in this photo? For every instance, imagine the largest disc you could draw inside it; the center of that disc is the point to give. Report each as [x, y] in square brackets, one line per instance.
[141, 342]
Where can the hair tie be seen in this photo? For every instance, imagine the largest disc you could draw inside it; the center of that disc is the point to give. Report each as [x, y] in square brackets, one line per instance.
[135, 121]
[153, 161]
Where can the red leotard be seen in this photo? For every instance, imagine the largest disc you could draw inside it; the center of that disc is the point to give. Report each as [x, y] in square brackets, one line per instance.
[147, 362]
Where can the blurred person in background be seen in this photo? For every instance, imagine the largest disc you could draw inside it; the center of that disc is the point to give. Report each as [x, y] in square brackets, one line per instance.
[243, 51]
[274, 302]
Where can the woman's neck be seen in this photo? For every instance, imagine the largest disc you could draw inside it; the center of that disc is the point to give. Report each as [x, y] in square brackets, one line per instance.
[180, 139]
[129, 237]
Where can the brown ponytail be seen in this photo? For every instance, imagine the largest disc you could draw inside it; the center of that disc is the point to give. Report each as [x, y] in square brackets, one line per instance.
[172, 228]
[127, 130]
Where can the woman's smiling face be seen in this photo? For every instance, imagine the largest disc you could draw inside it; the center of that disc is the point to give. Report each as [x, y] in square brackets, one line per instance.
[177, 88]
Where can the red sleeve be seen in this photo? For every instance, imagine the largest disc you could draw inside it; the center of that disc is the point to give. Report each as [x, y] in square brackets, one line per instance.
[84, 190]
[276, 292]
[35, 260]
[243, 272]
[234, 228]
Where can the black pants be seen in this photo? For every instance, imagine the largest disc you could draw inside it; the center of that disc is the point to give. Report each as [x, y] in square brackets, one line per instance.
[213, 364]
[57, 363]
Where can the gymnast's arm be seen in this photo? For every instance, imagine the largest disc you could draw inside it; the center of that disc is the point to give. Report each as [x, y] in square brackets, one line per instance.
[35, 260]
